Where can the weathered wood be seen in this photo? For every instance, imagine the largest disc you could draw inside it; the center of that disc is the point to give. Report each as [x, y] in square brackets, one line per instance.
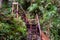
[0, 3]
[15, 10]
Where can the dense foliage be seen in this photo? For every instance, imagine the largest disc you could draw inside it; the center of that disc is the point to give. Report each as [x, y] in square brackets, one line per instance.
[11, 28]
[15, 29]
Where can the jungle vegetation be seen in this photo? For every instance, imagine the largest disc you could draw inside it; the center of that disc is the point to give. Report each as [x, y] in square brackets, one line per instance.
[15, 29]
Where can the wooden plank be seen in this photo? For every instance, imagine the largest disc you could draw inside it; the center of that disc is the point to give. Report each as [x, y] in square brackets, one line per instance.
[15, 3]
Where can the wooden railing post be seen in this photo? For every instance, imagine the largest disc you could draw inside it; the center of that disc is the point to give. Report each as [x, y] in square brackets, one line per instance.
[0, 3]
[15, 10]
[37, 19]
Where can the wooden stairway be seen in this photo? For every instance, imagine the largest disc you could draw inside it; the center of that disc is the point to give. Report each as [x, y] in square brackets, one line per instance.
[34, 31]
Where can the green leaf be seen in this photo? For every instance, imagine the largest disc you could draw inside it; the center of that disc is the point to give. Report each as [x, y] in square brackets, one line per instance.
[33, 7]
